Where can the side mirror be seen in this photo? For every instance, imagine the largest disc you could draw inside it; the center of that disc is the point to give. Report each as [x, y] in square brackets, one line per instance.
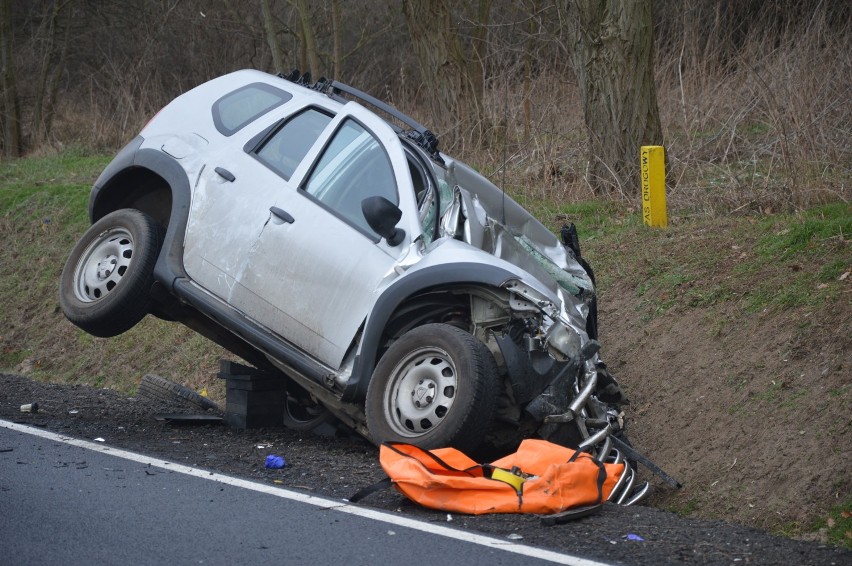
[382, 215]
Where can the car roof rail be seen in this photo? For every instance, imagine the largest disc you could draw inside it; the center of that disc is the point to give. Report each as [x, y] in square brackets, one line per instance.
[418, 133]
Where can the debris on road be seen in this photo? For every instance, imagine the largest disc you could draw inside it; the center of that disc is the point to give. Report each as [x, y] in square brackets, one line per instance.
[274, 462]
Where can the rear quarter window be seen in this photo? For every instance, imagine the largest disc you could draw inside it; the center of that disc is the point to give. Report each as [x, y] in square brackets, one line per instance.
[239, 108]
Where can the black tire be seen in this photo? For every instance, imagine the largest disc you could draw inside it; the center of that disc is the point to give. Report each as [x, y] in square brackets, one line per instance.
[435, 387]
[156, 388]
[105, 285]
[303, 414]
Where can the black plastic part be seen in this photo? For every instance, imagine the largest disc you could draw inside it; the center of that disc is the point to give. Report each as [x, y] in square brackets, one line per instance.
[570, 515]
[631, 453]
[382, 215]
[527, 376]
[568, 233]
[282, 214]
[225, 174]
[169, 265]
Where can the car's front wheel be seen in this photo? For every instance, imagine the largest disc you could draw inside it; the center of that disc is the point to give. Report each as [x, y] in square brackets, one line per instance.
[436, 386]
[105, 285]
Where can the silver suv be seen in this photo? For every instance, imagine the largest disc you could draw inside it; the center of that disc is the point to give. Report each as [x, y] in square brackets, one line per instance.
[388, 284]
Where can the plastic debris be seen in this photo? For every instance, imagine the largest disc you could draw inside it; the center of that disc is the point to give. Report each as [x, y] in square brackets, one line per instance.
[631, 536]
[449, 517]
[29, 408]
[99, 439]
[515, 536]
[274, 462]
[73, 412]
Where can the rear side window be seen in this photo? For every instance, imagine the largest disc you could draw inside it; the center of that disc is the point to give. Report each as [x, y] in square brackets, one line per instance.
[236, 109]
[286, 148]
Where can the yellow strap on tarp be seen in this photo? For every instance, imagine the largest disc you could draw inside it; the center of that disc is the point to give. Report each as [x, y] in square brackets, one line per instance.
[508, 477]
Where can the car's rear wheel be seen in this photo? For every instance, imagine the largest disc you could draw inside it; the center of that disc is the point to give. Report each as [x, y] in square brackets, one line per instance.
[106, 282]
[436, 386]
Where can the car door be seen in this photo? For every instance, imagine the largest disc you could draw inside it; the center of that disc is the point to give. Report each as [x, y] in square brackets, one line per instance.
[230, 206]
[316, 265]
[227, 214]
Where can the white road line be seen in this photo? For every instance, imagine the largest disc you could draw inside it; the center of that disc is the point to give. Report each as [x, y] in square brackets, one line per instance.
[324, 503]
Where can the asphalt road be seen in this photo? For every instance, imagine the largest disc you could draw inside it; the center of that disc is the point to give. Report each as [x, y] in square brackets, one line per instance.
[65, 501]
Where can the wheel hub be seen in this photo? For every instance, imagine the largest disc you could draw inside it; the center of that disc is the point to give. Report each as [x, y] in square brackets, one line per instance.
[106, 266]
[424, 393]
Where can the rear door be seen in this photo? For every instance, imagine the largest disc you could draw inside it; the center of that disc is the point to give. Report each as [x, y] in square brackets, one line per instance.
[311, 277]
[230, 206]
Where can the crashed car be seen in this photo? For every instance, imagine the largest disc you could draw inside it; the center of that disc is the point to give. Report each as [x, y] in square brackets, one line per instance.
[320, 234]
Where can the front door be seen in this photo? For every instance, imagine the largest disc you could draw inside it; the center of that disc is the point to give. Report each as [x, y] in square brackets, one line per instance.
[316, 265]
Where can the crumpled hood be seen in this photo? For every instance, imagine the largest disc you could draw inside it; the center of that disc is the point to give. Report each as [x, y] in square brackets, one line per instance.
[476, 211]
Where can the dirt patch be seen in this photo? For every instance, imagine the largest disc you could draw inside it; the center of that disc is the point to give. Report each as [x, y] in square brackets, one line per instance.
[750, 410]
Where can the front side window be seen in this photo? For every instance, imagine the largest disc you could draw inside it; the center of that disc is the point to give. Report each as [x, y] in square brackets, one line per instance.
[353, 166]
[286, 148]
[237, 109]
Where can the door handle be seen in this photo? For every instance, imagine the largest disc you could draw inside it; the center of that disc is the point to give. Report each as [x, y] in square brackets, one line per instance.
[283, 215]
[225, 174]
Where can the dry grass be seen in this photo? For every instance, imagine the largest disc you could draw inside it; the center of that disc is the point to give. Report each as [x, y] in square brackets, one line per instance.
[754, 99]
[766, 130]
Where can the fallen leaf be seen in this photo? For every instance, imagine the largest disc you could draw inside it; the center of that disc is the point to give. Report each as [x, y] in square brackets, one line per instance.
[844, 276]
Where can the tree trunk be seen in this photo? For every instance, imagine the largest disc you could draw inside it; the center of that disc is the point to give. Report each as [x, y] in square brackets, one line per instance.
[454, 90]
[337, 49]
[10, 119]
[529, 46]
[272, 37]
[309, 39]
[611, 43]
[54, 57]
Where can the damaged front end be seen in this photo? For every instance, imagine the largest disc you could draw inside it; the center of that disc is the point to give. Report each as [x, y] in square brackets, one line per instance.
[557, 386]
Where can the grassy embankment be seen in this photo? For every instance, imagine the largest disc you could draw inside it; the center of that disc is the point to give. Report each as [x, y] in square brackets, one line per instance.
[726, 267]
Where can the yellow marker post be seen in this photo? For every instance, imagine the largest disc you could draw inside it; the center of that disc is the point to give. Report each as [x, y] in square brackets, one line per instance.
[653, 168]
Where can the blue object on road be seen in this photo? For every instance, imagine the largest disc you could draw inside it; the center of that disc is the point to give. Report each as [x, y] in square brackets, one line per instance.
[275, 462]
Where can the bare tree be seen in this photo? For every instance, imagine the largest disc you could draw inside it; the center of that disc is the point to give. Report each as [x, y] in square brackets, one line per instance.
[309, 39]
[611, 45]
[272, 37]
[11, 114]
[54, 34]
[453, 76]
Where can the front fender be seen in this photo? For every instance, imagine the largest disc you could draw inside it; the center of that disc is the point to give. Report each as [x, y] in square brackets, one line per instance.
[414, 282]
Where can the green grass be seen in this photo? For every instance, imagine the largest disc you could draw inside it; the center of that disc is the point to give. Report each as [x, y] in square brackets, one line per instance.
[837, 525]
[43, 211]
[798, 236]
